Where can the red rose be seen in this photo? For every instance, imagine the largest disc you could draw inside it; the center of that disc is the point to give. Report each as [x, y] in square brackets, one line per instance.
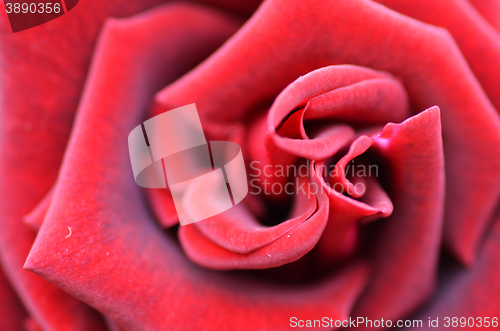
[314, 86]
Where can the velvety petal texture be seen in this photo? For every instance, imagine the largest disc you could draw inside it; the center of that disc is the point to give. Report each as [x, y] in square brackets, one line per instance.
[370, 133]
[407, 248]
[116, 259]
[480, 45]
[471, 293]
[424, 57]
[34, 126]
[12, 313]
[490, 10]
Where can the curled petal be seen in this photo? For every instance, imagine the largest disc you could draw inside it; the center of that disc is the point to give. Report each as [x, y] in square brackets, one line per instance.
[406, 249]
[282, 41]
[116, 259]
[35, 218]
[236, 240]
[317, 88]
[163, 204]
[358, 147]
[340, 238]
[373, 101]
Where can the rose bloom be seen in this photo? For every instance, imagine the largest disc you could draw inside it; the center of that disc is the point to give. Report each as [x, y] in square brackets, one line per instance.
[408, 87]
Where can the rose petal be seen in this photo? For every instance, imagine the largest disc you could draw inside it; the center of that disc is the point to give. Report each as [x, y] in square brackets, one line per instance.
[163, 204]
[12, 312]
[239, 235]
[240, 7]
[406, 250]
[320, 84]
[358, 147]
[490, 10]
[472, 293]
[477, 40]
[267, 164]
[340, 238]
[283, 41]
[42, 72]
[116, 258]
[372, 102]
[322, 91]
[30, 325]
[233, 240]
[112, 325]
[237, 230]
[35, 218]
